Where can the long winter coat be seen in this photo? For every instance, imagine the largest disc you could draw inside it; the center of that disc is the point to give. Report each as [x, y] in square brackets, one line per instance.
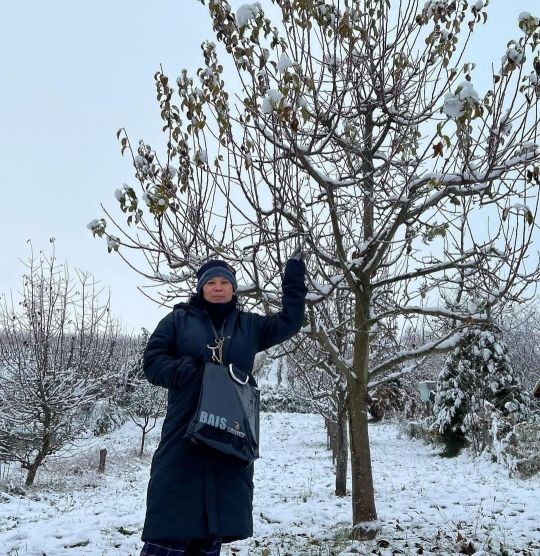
[193, 492]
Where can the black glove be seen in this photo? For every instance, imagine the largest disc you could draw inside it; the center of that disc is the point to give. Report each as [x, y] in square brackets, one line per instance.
[298, 254]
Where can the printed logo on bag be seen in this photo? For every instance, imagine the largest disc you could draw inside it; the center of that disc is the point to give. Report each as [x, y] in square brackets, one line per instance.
[236, 431]
[220, 423]
[214, 420]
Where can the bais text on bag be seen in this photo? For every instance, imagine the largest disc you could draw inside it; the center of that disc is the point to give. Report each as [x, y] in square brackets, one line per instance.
[227, 418]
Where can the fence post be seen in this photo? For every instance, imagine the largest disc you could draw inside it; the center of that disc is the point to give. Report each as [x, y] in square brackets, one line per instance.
[102, 456]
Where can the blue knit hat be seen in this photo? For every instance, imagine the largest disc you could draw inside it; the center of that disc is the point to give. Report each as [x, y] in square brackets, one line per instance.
[213, 269]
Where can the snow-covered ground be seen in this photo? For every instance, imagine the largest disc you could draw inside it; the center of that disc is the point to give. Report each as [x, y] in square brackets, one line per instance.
[427, 505]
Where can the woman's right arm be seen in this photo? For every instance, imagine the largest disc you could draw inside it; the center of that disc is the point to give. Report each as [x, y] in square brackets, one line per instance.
[160, 364]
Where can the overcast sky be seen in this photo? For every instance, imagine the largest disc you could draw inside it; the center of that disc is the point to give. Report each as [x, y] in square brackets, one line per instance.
[72, 74]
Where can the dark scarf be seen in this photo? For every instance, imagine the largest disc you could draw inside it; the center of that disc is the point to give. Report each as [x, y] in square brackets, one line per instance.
[217, 312]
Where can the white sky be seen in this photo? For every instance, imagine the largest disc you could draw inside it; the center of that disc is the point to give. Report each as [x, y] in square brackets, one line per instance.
[71, 75]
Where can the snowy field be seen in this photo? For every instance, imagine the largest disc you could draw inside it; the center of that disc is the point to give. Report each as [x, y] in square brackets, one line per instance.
[427, 505]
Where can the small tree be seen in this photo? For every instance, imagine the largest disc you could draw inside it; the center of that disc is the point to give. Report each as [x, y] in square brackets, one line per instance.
[321, 375]
[477, 377]
[143, 402]
[55, 347]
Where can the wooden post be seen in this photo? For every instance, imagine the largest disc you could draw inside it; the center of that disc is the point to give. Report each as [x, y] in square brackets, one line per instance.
[102, 456]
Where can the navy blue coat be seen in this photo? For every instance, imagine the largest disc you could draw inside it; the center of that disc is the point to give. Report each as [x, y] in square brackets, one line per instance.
[195, 493]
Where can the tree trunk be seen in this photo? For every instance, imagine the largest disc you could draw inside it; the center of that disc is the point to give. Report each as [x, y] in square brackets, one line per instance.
[331, 438]
[143, 439]
[32, 470]
[34, 466]
[365, 524]
[43, 452]
[363, 498]
[342, 454]
[328, 436]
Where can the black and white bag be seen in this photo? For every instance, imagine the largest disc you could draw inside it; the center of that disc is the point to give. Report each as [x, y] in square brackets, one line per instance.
[227, 416]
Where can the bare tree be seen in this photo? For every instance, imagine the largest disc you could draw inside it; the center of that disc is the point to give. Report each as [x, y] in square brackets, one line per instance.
[521, 332]
[55, 346]
[311, 373]
[143, 403]
[261, 366]
[312, 366]
[357, 131]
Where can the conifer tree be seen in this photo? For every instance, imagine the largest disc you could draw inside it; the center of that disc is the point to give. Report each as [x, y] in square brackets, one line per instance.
[477, 377]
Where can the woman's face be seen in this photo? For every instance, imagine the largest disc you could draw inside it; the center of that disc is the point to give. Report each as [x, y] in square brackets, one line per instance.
[218, 290]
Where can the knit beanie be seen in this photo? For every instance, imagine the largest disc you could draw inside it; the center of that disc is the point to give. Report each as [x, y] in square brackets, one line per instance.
[213, 269]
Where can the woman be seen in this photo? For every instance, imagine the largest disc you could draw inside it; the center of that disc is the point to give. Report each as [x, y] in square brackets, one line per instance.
[198, 498]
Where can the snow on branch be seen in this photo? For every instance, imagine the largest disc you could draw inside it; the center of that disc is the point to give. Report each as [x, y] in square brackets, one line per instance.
[441, 312]
[443, 181]
[316, 331]
[397, 374]
[461, 263]
[443, 345]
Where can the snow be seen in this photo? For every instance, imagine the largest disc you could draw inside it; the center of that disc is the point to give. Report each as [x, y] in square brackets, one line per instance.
[323, 289]
[335, 280]
[201, 156]
[98, 224]
[247, 12]
[271, 101]
[113, 242]
[168, 277]
[284, 63]
[505, 125]
[171, 171]
[467, 91]
[514, 55]
[426, 504]
[526, 17]
[140, 162]
[147, 198]
[456, 104]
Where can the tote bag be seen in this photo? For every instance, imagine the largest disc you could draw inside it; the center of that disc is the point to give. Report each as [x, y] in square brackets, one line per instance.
[227, 417]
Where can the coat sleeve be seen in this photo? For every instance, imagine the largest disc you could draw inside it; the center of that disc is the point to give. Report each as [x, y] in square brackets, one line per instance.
[277, 328]
[160, 364]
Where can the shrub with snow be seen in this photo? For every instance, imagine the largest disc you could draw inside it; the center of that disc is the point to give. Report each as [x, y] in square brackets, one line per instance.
[277, 399]
[105, 417]
[476, 383]
[392, 399]
[516, 446]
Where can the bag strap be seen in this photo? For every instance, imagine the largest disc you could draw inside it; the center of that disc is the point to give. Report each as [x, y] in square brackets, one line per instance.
[218, 353]
[235, 378]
